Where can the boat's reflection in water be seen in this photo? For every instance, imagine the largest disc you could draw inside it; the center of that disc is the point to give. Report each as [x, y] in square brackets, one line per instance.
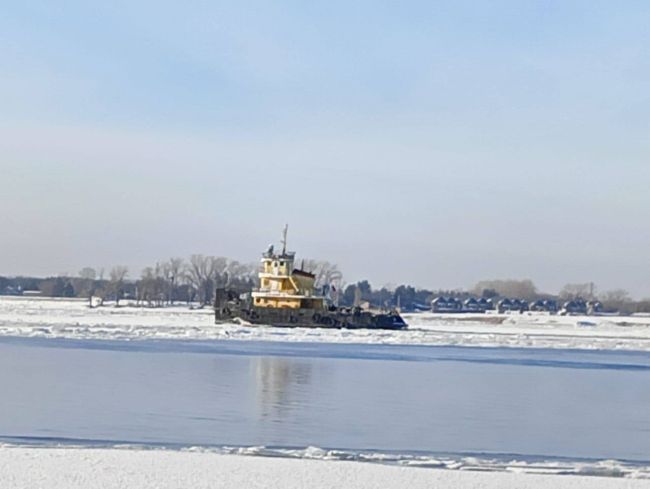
[282, 386]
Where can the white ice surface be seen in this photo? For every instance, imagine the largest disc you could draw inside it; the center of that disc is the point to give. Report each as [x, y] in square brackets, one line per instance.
[29, 317]
[72, 468]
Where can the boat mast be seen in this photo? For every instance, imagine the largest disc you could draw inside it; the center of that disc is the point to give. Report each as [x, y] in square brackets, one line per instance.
[284, 239]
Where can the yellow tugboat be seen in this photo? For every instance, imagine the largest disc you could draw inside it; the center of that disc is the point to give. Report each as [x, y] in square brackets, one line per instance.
[286, 297]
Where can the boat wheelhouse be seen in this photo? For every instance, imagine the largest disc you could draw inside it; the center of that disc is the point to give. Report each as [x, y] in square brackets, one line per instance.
[284, 286]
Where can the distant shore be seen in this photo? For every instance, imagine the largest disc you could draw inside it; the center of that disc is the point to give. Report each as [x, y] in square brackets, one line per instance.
[72, 468]
[73, 319]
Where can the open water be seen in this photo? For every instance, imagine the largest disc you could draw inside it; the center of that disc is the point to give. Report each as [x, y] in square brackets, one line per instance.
[406, 404]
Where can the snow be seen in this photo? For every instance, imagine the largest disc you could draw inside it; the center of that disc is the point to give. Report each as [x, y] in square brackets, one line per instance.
[69, 318]
[102, 468]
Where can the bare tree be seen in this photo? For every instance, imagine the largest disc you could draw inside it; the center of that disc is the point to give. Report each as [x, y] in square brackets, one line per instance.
[643, 305]
[156, 284]
[116, 282]
[87, 273]
[151, 286]
[101, 289]
[204, 273]
[521, 289]
[86, 283]
[240, 274]
[617, 299]
[176, 268]
[578, 290]
[326, 273]
[144, 285]
[163, 281]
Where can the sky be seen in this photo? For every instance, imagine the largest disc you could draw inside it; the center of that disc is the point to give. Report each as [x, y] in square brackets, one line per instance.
[436, 143]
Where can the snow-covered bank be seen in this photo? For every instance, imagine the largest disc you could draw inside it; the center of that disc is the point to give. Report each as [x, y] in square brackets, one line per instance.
[73, 319]
[69, 468]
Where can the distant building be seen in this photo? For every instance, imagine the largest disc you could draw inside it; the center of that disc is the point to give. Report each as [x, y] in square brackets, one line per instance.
[537, 306]
[594, 307]
[446, 304]
[471, 305]
[32, 293]
[547, 305]
[574, 307]
[485, 304]
[512, 305]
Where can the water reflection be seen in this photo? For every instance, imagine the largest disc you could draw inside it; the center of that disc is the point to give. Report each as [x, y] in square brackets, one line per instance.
[282, 385]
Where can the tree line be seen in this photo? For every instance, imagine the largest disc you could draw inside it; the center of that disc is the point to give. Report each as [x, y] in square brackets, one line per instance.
[176, 280]
[195, 279]
[191, 280]
[410, 298]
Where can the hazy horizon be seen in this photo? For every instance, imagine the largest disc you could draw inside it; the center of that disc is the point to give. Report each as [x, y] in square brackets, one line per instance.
[429, 143]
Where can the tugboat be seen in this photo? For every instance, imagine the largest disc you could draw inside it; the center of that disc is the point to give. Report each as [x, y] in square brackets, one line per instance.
[286, 298]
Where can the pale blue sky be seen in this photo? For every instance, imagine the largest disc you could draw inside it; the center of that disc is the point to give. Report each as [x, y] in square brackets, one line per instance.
[435, 143]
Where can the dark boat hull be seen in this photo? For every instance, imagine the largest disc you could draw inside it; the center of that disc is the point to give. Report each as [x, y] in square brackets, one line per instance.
[229, 307]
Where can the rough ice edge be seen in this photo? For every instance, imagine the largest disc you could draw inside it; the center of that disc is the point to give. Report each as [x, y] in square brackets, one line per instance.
[597, 468]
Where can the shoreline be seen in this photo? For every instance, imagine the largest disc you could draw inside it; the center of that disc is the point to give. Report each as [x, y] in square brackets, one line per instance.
[109, 468]
[69, 319]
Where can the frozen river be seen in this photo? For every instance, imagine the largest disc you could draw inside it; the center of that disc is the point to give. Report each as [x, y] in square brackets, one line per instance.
[73, 319]
[453, 406]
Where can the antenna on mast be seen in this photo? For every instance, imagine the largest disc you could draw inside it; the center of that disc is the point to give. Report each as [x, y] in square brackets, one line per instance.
[284, 239]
